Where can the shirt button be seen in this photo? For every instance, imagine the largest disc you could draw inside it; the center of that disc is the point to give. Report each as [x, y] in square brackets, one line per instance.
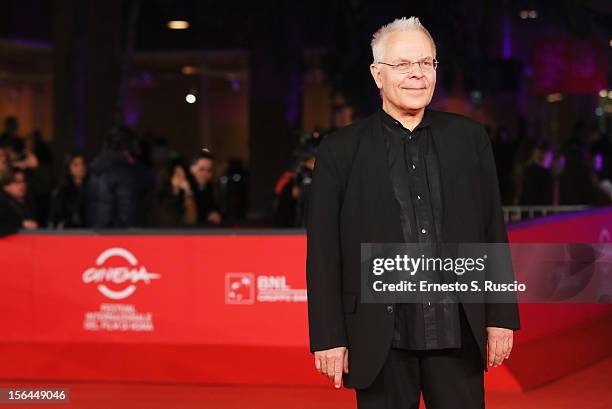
[418, 197]
[413, 167]
[423, 231]
[389, 309]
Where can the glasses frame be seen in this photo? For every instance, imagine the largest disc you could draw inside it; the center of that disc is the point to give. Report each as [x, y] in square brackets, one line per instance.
[394, 66]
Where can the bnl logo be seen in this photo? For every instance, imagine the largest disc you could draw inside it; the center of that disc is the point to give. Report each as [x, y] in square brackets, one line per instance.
[239, 288]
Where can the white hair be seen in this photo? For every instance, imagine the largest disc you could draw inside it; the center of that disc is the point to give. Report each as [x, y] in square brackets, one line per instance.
[399, 24]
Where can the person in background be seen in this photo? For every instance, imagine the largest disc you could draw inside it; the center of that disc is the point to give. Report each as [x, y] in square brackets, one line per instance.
[201, 175]
[4, 161]
[285, 200]
[537, 184]
[115, 188]
[24, 154]
[20, 157]
[291, 190]
[15, 210]
[505, 146]
[578, 184]
[172, 204]
[27, 151]
[68, 205]
[11, 127]
[36, 144]
[233, 192]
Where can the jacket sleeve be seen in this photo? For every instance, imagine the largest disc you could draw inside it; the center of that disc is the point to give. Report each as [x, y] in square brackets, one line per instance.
[126, 198]
[503, 312]
[323, 259]
[100, 202]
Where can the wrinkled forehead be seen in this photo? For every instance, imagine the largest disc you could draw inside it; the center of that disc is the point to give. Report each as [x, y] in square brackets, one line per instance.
[407, 45]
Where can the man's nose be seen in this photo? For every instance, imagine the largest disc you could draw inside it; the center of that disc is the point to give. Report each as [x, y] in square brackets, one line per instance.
[415, 72]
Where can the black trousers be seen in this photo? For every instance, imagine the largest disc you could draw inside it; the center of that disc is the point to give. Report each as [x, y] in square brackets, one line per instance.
[448, 378]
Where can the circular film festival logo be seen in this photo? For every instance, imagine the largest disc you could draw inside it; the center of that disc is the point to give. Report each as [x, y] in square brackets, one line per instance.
[130, 274]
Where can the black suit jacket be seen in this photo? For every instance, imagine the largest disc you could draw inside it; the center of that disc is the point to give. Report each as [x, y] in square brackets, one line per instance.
[352, 201]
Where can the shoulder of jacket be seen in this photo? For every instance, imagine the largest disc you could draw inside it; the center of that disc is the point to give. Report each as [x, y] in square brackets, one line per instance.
[467, 127]
[453, 119]
[347, 136]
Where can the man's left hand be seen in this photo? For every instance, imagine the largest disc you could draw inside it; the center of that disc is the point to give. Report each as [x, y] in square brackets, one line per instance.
[499, 345]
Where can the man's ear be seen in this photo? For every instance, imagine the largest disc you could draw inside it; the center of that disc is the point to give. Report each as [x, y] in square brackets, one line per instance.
[375, 71]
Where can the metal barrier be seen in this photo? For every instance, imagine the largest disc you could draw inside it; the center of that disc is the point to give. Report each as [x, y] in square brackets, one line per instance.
[519, 213]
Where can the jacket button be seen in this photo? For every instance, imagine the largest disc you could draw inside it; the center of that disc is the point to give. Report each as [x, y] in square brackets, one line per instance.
[389, 309]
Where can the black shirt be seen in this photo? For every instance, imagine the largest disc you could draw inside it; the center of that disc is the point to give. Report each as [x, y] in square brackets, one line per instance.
[415, 177]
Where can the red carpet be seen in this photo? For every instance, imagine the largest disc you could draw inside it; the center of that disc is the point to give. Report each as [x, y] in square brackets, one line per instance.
[589, 388]
[531, 365]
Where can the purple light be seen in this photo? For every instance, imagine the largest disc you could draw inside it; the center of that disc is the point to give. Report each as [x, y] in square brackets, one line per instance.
[507, 44]
[131, 118]
[132, 110]
[598, 162]
[294, 99]
[548, 159]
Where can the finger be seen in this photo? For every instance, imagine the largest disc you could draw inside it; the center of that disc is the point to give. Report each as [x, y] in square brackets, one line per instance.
[346, 369]
[338, 371]
[330, 369]
[318, 363]
[491, 352]
[323, 366]
[501, 350]
[499, 356]
[510, 345]
[506, 351]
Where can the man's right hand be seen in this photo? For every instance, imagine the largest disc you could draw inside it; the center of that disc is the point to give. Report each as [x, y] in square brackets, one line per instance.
[331, 363]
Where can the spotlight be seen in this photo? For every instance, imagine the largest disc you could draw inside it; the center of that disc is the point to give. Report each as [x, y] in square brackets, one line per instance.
[603, 93]
[190, 98]
[556, 97]
[188, 70]
[178, 24]
[524, 14]
[533, 14]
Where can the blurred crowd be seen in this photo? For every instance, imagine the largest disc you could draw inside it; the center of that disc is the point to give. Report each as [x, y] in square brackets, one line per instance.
[537, 172]
[139, 181]
[133, 182]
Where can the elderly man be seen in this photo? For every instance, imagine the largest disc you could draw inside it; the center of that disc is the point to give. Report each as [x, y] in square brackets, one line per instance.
[405, 174]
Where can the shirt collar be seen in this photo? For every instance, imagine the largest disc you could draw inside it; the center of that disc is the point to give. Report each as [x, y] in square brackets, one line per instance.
[425, 121]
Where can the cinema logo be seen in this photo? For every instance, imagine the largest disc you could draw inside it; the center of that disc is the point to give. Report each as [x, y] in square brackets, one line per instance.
[130, 274]
[245, 288]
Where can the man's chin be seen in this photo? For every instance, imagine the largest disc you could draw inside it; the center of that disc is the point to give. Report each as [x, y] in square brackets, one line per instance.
[413, 107]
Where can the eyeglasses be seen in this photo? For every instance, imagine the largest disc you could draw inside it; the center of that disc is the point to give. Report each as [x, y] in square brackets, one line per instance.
[426, 65]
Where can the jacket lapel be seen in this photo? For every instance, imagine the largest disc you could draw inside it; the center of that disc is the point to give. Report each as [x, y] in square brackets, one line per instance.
[389, 228]
[445, 157]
